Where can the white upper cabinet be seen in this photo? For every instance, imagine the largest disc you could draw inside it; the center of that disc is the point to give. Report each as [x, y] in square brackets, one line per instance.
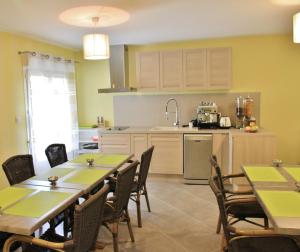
[201, 68]
[194, 68]
[147, 70]
[219, 67]
[171, 75]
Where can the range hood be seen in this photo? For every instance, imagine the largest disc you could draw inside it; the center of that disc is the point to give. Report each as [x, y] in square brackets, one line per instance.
[118, 64]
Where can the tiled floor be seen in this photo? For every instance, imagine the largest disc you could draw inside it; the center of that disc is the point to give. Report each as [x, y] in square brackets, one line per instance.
[183, 218]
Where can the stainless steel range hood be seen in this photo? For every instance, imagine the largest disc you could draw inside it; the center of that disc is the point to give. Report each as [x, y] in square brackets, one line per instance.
[118, 70]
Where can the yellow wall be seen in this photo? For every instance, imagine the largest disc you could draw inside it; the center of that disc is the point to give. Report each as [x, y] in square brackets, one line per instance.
[13, 136]
[267, 64]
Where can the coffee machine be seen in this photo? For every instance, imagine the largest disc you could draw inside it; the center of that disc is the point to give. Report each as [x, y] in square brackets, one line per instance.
[207, 115]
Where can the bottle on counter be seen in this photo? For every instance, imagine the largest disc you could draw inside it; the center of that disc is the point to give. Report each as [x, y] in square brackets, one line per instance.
[239, 112]
[100, 122]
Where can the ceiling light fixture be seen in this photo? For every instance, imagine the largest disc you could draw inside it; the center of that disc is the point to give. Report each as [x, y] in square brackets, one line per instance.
[95, 45]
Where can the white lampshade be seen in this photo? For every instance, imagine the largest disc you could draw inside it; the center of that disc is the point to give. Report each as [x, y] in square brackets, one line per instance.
[296, 27]
[95, 46]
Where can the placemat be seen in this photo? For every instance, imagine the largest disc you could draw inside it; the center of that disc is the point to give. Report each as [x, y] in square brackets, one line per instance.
[281, 203]
[265, 174]
[86, 177]
[60, 172]
[9, 195]
[100, 159]
[294, 172]
[38, 204]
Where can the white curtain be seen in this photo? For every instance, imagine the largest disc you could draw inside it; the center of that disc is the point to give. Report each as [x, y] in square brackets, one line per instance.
[51, 106]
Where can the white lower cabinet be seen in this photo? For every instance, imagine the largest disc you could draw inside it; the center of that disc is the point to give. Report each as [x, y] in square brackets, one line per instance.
[232, 150]
[168, 153]
[115, 143]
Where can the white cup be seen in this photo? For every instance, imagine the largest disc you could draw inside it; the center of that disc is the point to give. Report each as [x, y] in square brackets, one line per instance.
[191, 125]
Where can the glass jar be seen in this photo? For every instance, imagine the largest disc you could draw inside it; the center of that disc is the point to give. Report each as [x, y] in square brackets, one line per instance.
[248, 106]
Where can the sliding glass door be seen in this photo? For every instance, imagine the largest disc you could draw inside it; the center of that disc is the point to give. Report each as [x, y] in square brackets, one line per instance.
[51, 108]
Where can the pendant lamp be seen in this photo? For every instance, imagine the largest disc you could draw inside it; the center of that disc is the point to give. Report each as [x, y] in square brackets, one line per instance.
[95, 45]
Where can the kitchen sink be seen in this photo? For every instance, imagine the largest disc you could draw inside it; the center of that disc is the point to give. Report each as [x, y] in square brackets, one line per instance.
[168, 128]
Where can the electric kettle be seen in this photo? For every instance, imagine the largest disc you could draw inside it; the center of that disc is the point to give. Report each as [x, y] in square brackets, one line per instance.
[225, 122]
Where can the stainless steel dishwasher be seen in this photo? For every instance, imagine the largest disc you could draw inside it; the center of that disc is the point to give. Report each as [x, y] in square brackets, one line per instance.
[197, 150]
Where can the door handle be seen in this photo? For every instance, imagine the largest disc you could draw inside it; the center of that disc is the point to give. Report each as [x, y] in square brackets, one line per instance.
[197, 141]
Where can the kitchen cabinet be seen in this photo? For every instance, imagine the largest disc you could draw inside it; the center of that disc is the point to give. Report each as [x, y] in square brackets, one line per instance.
[148, 70]
[221, 151]
[138, 144]
[171, 74]
[168, 153]
[252, 148]
[200, 68]
[219, 67]
[194, 68]
[115, 143]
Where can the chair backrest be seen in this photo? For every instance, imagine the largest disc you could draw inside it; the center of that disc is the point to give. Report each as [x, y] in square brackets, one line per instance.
[214, 185]
[87, 220]
[124, 185]
[56, 154]
[18, 168]
[144, 167]
[215, 165]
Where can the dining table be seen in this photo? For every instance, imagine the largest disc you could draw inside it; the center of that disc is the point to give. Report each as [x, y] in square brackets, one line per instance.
[277, 189]
[78, 174]
[27, 206]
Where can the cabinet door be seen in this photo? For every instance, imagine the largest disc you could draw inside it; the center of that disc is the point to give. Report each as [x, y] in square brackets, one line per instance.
[147, 67]
[251, 149]
[221, 151]
[115, 143]
[168, 153]
[219, 67]
[171, 69]
[139, 143]
[194, 68]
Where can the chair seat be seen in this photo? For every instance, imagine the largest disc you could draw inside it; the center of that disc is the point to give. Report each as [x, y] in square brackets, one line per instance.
[263, 244]
[244, 210]
[238, 189]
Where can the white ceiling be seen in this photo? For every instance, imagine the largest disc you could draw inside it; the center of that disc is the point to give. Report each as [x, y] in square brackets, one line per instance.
[152, 21]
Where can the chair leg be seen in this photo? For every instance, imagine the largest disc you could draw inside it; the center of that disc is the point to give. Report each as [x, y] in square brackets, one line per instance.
[147, 199]
[115, 231]
[266, 222]
[129, 225]
[138, 209]
[218, 225]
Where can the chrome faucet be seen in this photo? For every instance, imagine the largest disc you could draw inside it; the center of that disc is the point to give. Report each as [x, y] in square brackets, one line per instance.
[176, 123]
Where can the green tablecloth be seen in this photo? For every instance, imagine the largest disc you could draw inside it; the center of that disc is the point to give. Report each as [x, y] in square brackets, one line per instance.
[60, 172]
[86, 177]
[294, 172]
[281, 203]
[37, 204]
[263, 174]
[9, 195]
[101, 159]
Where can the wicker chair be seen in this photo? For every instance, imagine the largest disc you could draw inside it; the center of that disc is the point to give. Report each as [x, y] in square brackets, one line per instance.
[225, 209]
[116, 207]
[56, 154]
[87, 220]
[231, 192]
[263, 244]
[18, 168]
[139, 186]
